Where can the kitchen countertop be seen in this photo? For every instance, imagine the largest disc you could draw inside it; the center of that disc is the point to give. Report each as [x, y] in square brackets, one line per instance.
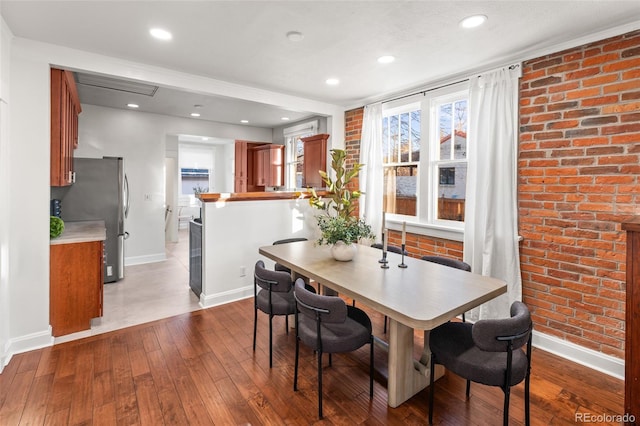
[257, 196]
[81, 232]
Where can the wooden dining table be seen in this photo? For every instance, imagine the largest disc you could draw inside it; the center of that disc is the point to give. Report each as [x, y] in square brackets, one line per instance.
[421, 296]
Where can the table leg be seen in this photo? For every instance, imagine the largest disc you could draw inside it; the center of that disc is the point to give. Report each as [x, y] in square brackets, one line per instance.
[407, 377]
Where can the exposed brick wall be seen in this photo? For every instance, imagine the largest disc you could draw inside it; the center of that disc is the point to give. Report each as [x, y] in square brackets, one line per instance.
[578, 169]
[579, 161]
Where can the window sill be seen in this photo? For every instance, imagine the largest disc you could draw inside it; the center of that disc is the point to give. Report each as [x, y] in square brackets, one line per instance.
[428, 230]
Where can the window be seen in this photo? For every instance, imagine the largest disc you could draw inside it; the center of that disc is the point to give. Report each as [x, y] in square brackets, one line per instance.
[294, 152]
[194, 180]
[424, 153]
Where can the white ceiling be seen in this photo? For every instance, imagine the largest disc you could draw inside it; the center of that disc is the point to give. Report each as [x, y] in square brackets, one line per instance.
[244, 42]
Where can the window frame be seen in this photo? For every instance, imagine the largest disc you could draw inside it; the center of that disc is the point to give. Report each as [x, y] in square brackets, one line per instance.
[291, 136]
[426, 222]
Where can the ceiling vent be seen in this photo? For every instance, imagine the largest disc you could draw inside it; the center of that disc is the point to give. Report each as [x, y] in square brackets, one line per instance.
[110, 83]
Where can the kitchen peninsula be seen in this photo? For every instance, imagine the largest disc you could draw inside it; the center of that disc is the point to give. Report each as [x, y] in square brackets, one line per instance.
[235, 225]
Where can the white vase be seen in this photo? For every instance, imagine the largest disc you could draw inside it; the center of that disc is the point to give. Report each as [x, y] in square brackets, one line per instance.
[343, 252]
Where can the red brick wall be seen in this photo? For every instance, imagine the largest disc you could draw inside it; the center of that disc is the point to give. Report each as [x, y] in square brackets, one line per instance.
[578, 169]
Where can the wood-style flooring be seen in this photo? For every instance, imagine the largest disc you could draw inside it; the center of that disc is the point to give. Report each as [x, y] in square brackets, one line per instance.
[199, 368]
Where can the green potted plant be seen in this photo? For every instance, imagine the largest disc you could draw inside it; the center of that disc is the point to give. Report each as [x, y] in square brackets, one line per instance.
[338, 226]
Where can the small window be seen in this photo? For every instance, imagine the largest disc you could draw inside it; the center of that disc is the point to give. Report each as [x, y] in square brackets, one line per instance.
[194, 181]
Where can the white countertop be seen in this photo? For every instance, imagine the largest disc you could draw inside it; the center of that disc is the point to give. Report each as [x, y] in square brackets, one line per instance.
[81, 232]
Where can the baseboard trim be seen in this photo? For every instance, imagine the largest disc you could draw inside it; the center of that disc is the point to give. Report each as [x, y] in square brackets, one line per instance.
[26, 343]
[588, 357]
[224, 297]
[140, 260]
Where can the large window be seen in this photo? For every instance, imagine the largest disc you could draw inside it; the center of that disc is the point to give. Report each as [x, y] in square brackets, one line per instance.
[424, 152]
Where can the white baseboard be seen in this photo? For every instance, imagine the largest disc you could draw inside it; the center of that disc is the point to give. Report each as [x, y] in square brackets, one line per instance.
[588, 357]
[226, 297]
[140, 260]
[25, 343]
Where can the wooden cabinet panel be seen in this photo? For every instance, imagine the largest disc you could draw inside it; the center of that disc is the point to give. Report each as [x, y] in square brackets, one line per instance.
[65, 108]
[76, 286]
[269, 169]
[315, 159]
[240, 177]
[632, 342]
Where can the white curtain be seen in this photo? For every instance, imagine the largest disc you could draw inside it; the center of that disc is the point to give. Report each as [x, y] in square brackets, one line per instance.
[371, 178]
[491, 216]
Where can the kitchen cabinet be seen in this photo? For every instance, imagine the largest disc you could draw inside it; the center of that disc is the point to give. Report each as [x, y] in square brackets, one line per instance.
[632, 328]
[269, 169]
[76, 286]
[315, 159]
[241, 167]
[65, 108]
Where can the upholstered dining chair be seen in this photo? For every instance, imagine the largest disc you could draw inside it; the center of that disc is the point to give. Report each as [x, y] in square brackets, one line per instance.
[392, 249]
[488, 352]
[279, 267]
[453, 263]
[273, 295]
[327, 324]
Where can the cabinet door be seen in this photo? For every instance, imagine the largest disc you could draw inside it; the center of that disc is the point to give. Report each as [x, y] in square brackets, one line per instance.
[65, 107]
[261, 158]
[76, 286]
[315, 159]
[240, 173]
[275, 167]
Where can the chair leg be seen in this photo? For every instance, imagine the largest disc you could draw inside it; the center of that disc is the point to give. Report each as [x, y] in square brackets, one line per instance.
[431, 391]
[330, 360]
[295, 365]
[464, 319]
[468, 388]
[371, 370]
[505, 412]
[385, 325]
[255, 324]
[527, 409]
[320, 383]
[286, 324]
[270, 340]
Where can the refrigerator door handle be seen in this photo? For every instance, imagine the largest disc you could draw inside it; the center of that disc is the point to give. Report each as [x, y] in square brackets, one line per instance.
[126, 196]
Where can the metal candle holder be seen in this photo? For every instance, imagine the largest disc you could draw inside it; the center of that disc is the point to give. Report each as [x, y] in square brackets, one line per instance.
[402, 265]
[384, 252]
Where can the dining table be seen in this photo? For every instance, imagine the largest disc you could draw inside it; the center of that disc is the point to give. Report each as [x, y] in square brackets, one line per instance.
[414, 294]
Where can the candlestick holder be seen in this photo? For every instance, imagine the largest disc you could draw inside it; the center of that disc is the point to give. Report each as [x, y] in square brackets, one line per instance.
[384, 252]
[402, 265]
[384, 263]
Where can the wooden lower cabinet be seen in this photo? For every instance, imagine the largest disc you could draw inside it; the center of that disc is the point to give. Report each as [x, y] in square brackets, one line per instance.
[76, 286]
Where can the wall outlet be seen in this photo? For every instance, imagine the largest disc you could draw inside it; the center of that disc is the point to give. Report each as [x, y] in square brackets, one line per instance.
[243, 271]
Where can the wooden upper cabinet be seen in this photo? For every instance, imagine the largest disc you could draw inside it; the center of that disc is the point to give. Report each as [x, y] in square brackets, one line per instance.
[315, 159]
[241, 167]
[269, 167]
[65, 108]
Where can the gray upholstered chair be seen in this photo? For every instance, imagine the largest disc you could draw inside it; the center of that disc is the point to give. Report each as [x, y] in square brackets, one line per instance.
[273, 295]
[279, 267]
[453, 263]
[488, 352]
[328, 325]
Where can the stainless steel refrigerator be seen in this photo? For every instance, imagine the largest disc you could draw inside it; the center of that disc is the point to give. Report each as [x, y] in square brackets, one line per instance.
[101, 192]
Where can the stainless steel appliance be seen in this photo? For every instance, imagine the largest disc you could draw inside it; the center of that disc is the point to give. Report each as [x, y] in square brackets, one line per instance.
[195, 256]
[101, 192]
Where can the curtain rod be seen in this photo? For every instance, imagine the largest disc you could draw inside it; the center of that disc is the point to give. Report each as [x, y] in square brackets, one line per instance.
[422, 92]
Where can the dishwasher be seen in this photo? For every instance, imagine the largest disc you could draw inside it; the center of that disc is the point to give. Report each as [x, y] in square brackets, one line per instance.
[195, 256]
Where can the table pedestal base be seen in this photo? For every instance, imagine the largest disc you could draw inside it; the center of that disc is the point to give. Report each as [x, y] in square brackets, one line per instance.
[407, 376]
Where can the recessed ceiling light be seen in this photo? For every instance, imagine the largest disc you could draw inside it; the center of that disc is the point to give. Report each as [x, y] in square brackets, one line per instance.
[285, 119]
[332, 81]
[160, 34]
[473, 21]
[244, 121]
[195, 114]
[387, 59]
[133, 105]
[295, 36]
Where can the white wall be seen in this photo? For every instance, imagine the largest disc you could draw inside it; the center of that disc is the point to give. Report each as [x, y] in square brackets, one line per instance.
[5, 183]
[25, 158]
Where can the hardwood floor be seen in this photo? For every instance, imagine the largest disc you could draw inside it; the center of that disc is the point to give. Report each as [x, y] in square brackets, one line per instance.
[199, 368]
